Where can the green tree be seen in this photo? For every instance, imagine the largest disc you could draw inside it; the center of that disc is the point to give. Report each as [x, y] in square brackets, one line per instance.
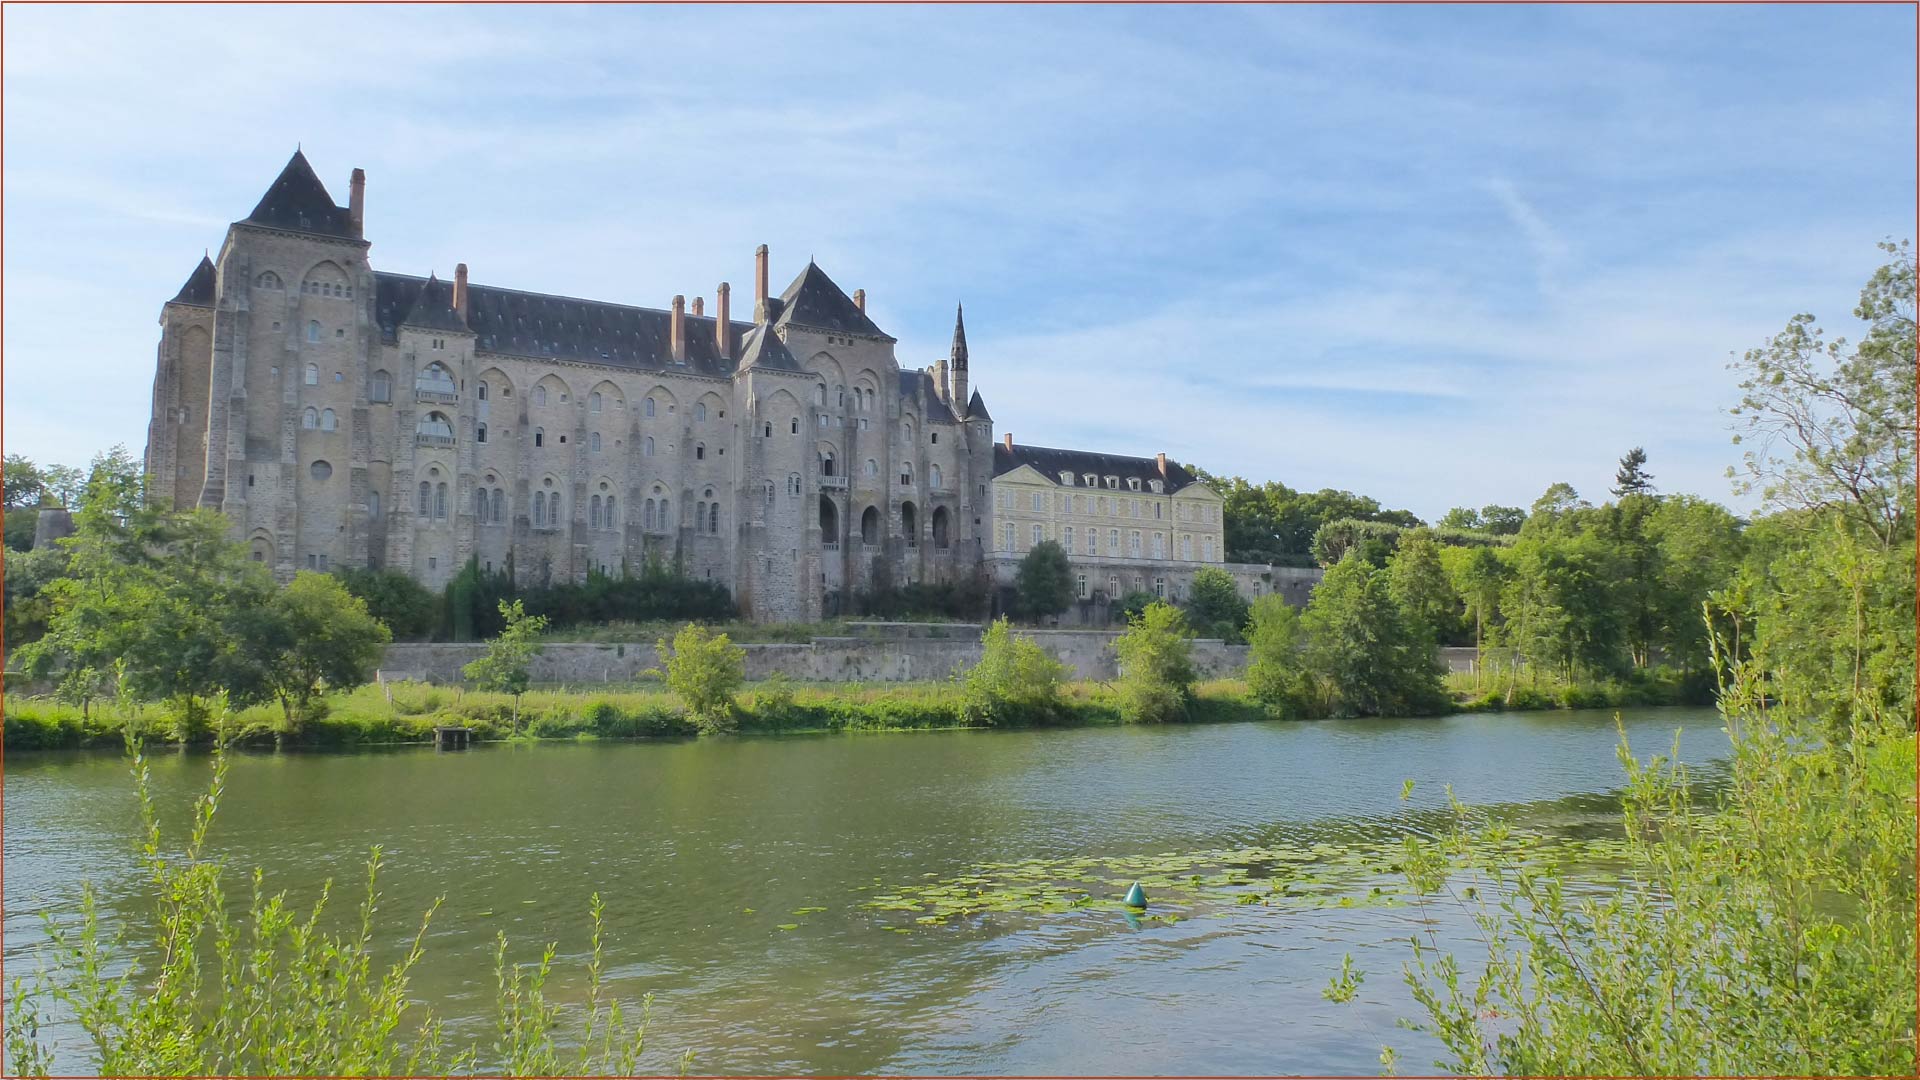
[1156, 666]
[1502, 520]
[504, 667]
[1043, 585]
[24, 487]
[1461, 517]
[1478, 577]
[1130, 605]
[1361, 649]
[706, 670]
[408, 609]
[1216, 606]
[1632, 478]
[313, 635]
[1276, 661]
[28, 608]
[1418, 583]
[1701, 548]
[1015, 682]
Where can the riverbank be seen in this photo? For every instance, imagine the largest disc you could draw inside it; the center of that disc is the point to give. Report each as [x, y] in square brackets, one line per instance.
[404, 712]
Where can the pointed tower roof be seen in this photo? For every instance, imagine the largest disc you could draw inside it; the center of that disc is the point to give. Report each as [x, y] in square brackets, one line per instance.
[959, 353]
[762, 348]
[198, 290]
[977, 408]
[433, 308]
[299, 201]
[814, 301]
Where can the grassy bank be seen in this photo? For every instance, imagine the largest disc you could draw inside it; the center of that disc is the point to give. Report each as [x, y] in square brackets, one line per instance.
[408, 713]
[1497, 692]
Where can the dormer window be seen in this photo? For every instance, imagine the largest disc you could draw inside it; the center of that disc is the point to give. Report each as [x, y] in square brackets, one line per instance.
[1155, 485]
[1066, 478]
[1133, 483]
[1091, 480]
[1113, 481]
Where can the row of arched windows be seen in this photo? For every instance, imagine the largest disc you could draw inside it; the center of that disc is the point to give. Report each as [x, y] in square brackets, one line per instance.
[489, 507]
[546, 509]
[321, 420]
[433, 499]
[603, 515]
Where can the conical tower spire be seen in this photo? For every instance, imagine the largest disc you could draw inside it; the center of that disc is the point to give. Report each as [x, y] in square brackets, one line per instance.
[957, 356]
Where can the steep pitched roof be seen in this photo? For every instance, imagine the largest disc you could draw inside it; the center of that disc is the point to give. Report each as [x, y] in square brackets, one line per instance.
[542, 326]
[919, 385]
[1051, 463]
[762, 348]
[433, 308]
[198, 290]
[814, 301]
[299, 201]
[977, 408]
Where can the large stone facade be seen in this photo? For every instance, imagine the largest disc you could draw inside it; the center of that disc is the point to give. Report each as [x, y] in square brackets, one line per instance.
[346, 416]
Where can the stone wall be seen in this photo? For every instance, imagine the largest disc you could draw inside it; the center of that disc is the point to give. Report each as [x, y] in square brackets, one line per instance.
[1089, 654]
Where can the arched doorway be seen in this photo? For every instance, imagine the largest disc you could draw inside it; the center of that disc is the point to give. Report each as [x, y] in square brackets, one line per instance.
[829, 521]
[870, 526]
[940, 539]
[910, 524]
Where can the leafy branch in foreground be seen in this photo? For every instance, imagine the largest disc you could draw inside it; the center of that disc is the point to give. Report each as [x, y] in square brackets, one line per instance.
[275, 993]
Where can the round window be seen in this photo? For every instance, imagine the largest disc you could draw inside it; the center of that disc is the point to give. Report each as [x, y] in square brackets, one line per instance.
[320, 470]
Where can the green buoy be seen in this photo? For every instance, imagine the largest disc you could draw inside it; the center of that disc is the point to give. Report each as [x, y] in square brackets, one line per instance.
[1136, 897]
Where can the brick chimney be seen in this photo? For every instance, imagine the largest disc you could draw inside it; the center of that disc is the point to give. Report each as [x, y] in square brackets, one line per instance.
[1009, 439]
[679, 336]
[722, 322]
[1163, 465]
[860, 300]
[760, 284]
[357, 202]
[699, 305]
[460, 290]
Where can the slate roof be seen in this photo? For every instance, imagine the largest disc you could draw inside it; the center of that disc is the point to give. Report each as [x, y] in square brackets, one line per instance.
[198, 290]
[977, 408]
[1051, 462]
[814, 301]
[299, 201]
[762, 348]
[542, 326]
[920, 384]
[433, 308]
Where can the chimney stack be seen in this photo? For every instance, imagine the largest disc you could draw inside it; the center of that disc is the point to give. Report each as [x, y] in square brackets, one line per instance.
[1009, 439]
[860, 300]
[679, 336]
[699, 305]
[1163, 464]
[722, 322]
[460, 290]
[760, 284]
[357, 202]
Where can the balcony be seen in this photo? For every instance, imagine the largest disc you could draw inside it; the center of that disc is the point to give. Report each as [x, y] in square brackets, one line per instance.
[433, 440]
[833, 483]
[445, 396]
[830, 545]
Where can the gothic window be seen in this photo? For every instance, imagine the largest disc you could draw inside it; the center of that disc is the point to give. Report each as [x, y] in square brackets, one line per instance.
[328, 422]
[820, 394]
[648, 409]
[313, 331]
[700, 410]
[499, 506]
[873, 467]
[268, 280]
[373, 504]
[940, 527]
[426, 498]
[700, 451]
[768, 433]
[870, 526]
[435, 425]
[539, 436]
[646, 446]
[382, 390]
[613, 517]
[906, 432]
[713, 519]
[826, 464]
[906, 473]
[440, 499]
[840, 395]
[539, 507]
[312, 376]
[435, 379]
[480, 504]
[539, 395]
[310, 419]
[481, 391]
[933, 475]
[793, 426]
[480, 432]
[646, 516]
[769, 493]
[593, 442]
[593, 401]
[793, 483]
[593, 512]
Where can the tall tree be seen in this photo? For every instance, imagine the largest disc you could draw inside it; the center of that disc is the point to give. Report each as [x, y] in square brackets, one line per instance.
[1502, 520]
[1632, 478]
[1276, 661]
[1043, 585]
[313, 635]
[1215, 605]
[1418, 584]
[1461, 517]
[1360, 647]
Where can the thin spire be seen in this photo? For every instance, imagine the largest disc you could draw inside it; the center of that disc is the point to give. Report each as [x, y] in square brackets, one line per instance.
[959, 351]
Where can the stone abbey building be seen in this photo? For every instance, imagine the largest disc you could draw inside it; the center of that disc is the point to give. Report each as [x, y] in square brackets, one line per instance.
[347, 416]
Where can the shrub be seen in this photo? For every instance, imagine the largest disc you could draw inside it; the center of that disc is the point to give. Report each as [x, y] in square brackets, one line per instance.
[705, 670]
[1015, 682]
[409, 610]
[1156, 666]
[1276, 665]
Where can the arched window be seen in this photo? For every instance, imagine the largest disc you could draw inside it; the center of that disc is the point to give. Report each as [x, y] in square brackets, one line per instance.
[699, 516]
[613, 516]
[435, 425]
[826, 464]
[906, 472]
[382, 387]
[820, 394]
[539, 436]
[646, 446]
[933, 476]
[499, 506]
[480, 432]
[593, 401]
[480, 504]
[553, 509]
[593, 512]
[769, 493]
[268, 280]
[793, 426]
[373, 504]
[593, 442]
[940, 527]
[648, 408]
[910, 524]
[699, 410]
[713, 519]
[873, 467]
[481, 391]
[768, 433]
[329, 422]
[646, 516]
[700, 451]
[906, 432]
[440, 499]
[426, 499]
[539, 395]
[310, 419]
[313, 331]
[870, 526]
[666, 514]
[839, 395]
[312, 376]
[436, 379]
[539, 507]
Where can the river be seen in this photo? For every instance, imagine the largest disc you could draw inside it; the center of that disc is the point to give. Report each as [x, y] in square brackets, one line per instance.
[710, 854]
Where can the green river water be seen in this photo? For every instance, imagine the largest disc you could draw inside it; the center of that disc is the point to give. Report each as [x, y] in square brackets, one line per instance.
[712, 856]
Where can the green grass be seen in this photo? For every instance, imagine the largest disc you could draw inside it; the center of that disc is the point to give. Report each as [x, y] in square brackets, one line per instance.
[1492, 693]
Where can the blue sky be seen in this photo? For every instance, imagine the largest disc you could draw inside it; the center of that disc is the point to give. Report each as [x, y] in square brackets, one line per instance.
[1439, 256]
